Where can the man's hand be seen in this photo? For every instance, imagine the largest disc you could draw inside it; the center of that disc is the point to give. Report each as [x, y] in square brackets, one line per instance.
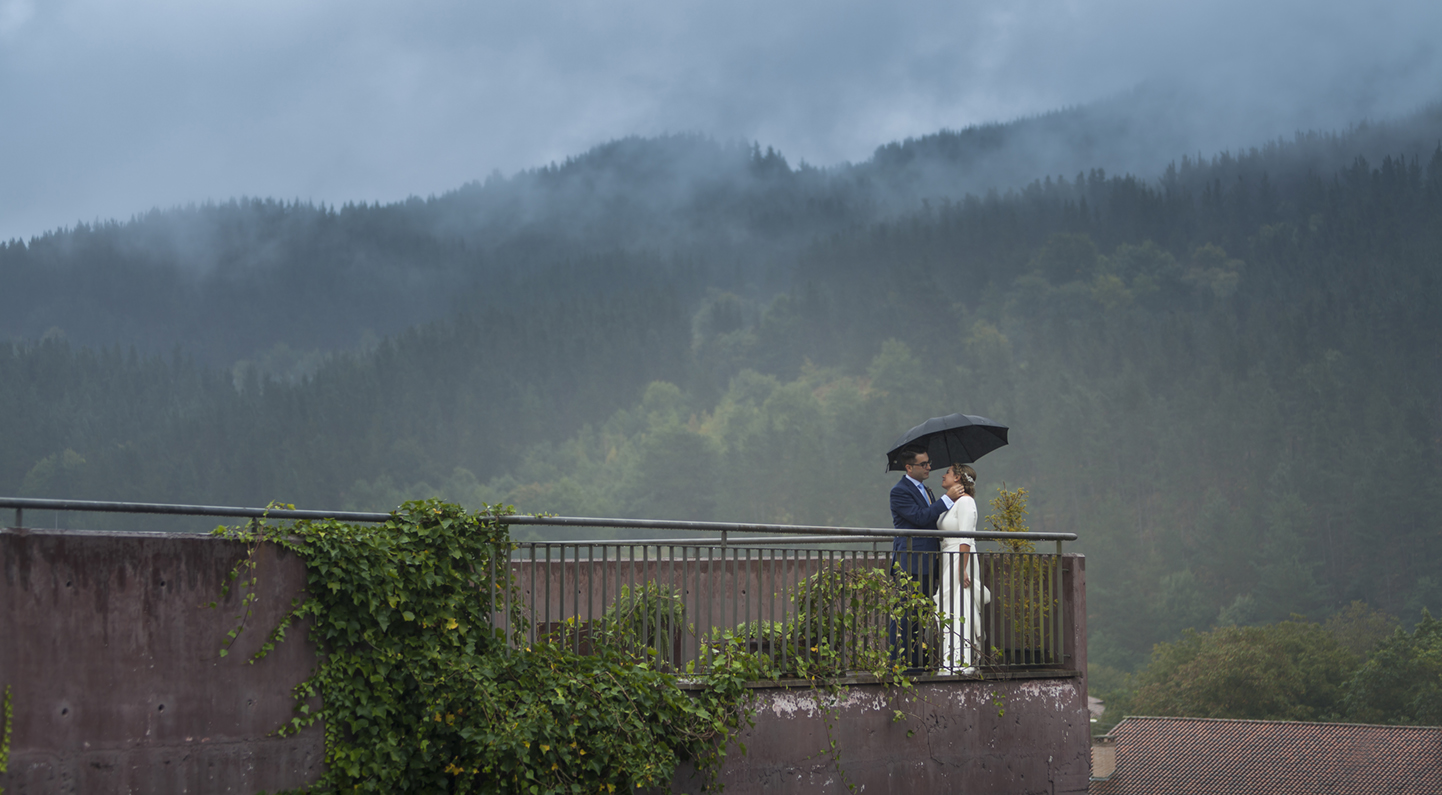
[956, 492]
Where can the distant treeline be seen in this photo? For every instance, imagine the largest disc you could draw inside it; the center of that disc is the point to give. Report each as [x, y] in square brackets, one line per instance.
[1357, 666]
[1227, 381]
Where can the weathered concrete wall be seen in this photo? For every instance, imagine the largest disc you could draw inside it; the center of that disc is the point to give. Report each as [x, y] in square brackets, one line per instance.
[991, 736]
[119, 687]
[994, 735]
[114, 667]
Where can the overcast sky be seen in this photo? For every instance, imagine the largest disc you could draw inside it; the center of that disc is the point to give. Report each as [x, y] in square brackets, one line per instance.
[110, 108]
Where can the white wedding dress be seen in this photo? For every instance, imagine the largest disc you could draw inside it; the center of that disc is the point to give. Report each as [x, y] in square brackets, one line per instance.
[961, 604]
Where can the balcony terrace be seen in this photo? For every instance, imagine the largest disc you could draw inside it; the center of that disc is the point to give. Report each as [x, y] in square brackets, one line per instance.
[118, 684]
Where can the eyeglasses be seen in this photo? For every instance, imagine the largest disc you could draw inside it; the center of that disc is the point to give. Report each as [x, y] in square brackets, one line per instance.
[926, 464]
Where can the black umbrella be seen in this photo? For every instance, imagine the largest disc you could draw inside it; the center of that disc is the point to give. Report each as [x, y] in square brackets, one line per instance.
[953, 439]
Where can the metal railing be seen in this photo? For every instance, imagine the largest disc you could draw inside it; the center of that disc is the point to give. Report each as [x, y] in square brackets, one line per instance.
[798, 606]
[801, 595]
[21, 504]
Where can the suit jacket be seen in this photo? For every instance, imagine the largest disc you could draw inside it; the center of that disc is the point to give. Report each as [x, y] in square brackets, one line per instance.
[909, 511]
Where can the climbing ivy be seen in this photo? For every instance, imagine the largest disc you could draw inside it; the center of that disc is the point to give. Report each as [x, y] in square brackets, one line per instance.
[9, 710]
[419, 690]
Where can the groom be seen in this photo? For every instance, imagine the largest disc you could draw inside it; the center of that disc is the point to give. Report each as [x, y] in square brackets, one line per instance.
[915, 507]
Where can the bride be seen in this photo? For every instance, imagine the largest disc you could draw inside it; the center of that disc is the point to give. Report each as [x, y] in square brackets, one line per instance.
[960, 595]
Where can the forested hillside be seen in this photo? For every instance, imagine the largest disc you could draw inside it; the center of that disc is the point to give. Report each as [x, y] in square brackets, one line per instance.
[1226, 379]
[279, 284]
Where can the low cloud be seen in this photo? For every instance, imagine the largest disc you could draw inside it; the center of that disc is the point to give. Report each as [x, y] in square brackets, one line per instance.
[110, 110]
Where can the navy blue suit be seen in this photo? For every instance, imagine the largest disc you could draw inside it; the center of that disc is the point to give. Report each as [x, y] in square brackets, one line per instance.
[910, 511]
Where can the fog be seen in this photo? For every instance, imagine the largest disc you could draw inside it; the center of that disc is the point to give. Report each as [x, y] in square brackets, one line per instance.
[110, 110]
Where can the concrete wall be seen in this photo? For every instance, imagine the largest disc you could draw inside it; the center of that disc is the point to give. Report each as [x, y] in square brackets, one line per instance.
[985, 736]
[119, 687]
[115, 671]
[1027, 733]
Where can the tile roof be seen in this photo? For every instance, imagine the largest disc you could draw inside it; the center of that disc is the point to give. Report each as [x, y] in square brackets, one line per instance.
[1209, 756]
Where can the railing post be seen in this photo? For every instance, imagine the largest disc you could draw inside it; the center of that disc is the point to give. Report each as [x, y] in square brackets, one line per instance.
[1058, 612]
[909, 639]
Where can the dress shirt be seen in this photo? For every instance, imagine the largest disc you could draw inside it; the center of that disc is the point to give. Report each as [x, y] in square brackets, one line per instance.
[945, 499]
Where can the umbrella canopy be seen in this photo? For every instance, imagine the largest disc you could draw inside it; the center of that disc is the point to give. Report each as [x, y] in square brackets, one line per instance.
[953, 439]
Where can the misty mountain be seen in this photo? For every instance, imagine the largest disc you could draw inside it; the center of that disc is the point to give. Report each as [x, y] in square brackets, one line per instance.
[1136, 133]
[280, 284]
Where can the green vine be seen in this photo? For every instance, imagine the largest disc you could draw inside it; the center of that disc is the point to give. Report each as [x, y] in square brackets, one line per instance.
[9, 710]
[644, 622]
[9, 714]
[420, 692]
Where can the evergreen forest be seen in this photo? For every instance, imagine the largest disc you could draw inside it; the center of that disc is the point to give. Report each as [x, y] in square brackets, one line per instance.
[1225, 377]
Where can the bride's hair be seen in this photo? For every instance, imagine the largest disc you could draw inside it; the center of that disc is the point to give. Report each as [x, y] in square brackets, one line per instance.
[966, 476]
